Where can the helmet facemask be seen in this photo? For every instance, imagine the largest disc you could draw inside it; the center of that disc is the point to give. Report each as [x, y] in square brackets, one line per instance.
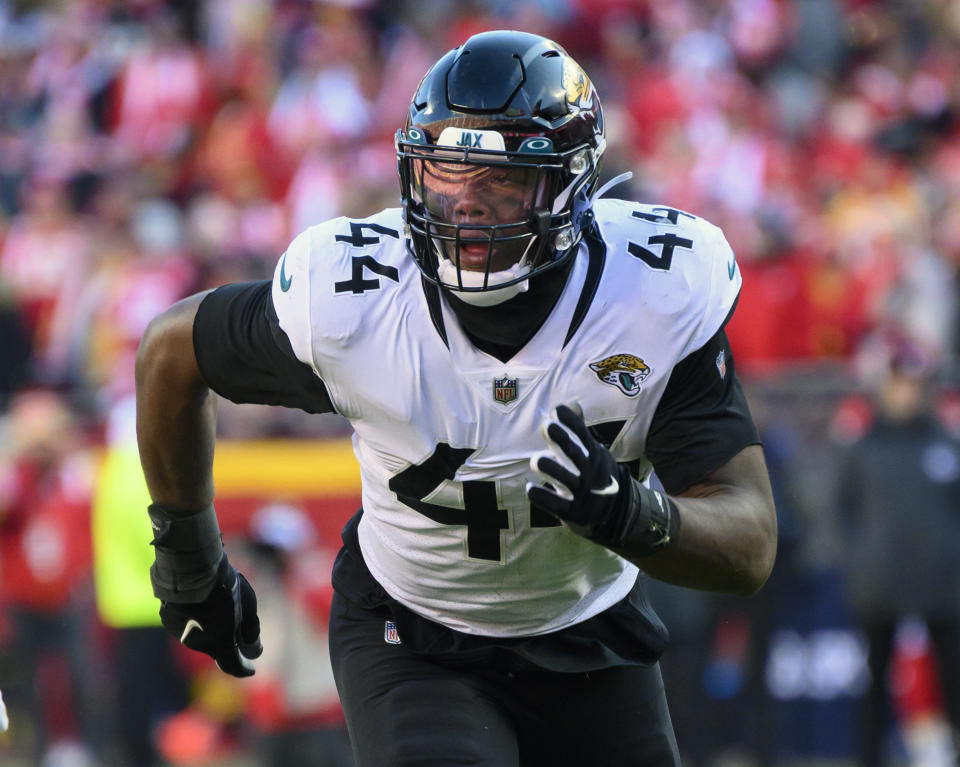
[482, 221]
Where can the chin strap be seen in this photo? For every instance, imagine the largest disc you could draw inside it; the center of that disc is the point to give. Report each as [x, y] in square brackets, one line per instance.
[447, 274]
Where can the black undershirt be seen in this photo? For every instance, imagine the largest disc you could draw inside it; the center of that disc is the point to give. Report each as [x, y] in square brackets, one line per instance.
[484, 325]
[244, 355]
[702, 419]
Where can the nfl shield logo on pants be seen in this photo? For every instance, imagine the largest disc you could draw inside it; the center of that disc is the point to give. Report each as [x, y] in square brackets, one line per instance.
[722, 364]
[504, 389]
[390, 633]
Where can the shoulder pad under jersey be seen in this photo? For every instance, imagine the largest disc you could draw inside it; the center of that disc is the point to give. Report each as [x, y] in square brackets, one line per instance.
[684, 265]
[318, 266]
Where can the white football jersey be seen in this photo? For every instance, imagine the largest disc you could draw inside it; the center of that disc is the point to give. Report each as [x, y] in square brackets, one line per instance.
[444, 432]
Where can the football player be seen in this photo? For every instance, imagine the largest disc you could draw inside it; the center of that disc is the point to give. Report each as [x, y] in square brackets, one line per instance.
[516, 356]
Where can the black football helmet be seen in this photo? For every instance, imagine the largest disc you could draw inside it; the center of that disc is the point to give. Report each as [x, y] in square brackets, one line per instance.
[498, 160]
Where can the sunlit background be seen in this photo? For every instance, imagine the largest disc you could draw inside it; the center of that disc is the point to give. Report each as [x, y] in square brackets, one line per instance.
[151, 149]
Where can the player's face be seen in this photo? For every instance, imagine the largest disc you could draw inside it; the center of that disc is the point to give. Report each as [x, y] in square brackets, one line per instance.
[485, 196]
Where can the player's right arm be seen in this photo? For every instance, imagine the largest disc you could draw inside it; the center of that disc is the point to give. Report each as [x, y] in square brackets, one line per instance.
[227, 341]
[204, 602]
[176, 411]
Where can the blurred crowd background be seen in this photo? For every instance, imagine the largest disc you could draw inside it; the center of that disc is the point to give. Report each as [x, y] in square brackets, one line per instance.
[150, 149]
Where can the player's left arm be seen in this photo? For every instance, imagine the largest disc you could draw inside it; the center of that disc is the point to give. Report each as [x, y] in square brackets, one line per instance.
[715, 526]
[727, 540]
[706, 450]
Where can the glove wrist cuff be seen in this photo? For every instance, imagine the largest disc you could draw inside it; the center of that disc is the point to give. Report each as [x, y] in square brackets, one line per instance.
[651, 523]
[188, 550]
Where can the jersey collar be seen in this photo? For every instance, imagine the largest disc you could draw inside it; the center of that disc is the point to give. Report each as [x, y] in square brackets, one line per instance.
[563, 321]
[597, 254]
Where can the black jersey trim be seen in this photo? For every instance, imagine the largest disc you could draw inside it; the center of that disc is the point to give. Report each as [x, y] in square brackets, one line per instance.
[598, 256]
[432, 293]
[733, 308]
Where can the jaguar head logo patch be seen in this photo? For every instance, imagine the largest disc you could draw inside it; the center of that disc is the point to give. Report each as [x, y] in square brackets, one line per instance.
[624, 371]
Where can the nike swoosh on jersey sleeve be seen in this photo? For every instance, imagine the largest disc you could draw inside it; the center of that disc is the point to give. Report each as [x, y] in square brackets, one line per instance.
[291, 296]
[719, 284]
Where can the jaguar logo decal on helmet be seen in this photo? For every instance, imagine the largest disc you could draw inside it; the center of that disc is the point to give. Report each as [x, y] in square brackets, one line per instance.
[577, 85]
[624, 371]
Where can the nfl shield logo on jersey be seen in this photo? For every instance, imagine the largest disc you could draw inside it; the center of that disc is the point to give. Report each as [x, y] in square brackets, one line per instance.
[505, 389]
[390, 633]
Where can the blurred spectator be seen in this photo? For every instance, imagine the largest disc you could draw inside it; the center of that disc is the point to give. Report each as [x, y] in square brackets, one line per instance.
[44, 261]
[327, 97]
[140, 268]
[900, 495]
[164, 91]
[14, 349]
[45, 484]
[147, 683]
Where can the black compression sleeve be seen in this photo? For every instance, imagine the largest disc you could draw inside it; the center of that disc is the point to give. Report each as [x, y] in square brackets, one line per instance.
[245, 356]
[702, 420]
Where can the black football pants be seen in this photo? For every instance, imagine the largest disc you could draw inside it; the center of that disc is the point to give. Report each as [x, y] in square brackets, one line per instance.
[406, 710]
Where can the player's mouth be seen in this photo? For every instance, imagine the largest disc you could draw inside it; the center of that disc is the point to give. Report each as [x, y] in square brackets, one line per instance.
[473, 255]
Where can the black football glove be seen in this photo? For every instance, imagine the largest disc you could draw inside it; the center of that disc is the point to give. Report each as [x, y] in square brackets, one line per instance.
[225, 625]
[204, 601]
[595, 496]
